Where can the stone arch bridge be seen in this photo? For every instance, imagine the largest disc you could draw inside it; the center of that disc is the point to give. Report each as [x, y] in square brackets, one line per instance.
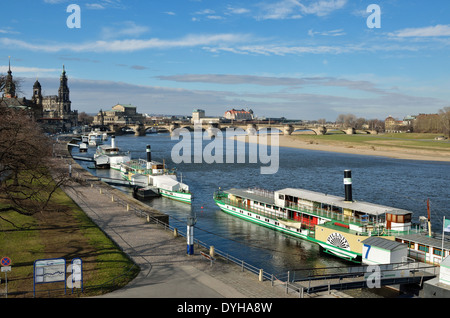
[250, 128]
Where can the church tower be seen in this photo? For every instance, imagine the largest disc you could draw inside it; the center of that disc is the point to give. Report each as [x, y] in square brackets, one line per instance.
[10, 87]
[37, 93]
[64, 103]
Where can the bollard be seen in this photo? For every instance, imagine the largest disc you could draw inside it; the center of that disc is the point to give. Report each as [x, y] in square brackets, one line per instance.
[211, 251]
[175, 232]
[92, 185]
[261, 278]
[101, 191]
[128, 207]
[112, 198]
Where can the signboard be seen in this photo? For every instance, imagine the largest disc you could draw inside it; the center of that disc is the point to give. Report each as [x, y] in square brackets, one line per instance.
[6, 269]
[49, 271]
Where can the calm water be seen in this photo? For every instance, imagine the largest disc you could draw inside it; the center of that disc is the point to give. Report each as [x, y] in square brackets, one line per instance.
[403, 184]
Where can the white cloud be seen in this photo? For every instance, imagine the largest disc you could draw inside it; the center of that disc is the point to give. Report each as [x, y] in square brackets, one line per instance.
[129, 45]
[295, 9]
[323, 7]
[338, 32]
[233, 10]
[24, 69]
[124, 29]
[95, 6]
[431, 31]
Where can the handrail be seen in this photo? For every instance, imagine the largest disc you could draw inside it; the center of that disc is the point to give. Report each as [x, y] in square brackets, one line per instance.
[378, 229]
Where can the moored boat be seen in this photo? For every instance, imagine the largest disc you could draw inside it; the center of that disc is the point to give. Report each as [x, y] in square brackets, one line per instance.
[338, 224]
[148, 173]
[110, 156]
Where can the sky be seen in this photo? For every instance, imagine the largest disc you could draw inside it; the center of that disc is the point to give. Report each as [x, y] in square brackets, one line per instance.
[299, 59]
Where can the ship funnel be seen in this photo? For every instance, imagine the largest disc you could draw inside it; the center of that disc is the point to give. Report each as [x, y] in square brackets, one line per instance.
[348, 185]
[149, 157]
[113, 141]
[149, 153]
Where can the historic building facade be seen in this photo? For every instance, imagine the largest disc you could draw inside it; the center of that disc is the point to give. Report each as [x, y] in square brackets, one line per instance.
[54, 112]
[120, 114]
[239, 114]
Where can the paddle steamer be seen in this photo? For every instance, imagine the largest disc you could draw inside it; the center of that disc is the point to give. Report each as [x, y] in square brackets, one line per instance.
[338, 224]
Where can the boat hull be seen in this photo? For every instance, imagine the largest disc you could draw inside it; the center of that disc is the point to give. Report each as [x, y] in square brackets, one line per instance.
[178, 196]
[294, 231]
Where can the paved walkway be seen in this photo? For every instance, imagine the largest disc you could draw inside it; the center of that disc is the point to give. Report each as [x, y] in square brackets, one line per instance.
[166, 269]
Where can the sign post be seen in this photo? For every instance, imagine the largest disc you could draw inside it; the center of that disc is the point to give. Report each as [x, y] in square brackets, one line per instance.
[6, 262]
[49, 271]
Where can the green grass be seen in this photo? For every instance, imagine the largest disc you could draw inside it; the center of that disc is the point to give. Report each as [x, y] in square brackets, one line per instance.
[63, 230]
[401, 140]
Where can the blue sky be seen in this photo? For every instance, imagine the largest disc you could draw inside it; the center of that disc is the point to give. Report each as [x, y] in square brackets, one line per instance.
[300, 59]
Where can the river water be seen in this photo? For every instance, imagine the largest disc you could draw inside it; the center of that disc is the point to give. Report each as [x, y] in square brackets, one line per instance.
[404, 184]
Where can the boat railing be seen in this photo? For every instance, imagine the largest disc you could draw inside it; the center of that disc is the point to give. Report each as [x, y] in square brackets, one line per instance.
[336, 216]
[224, 198]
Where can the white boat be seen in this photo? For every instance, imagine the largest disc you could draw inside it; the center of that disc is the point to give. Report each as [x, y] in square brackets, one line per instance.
[110, 156]
[148, 173]
[95, 138]
[339, 225]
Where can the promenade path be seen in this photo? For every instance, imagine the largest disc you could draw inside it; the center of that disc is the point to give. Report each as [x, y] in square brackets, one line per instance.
[166, 271]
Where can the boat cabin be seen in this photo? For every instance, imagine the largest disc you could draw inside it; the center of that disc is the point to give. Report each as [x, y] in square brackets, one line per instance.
[360, 216]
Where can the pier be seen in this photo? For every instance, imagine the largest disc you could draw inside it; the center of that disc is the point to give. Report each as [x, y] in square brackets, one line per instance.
[366, 276]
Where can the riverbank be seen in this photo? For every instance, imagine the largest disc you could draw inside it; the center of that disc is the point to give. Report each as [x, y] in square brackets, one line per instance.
[166, 271]
[382, 146]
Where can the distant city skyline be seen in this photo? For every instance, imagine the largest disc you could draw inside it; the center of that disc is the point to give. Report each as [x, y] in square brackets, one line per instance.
[299, 59]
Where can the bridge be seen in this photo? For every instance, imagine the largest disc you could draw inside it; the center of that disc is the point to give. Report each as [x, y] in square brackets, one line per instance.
[249, 127]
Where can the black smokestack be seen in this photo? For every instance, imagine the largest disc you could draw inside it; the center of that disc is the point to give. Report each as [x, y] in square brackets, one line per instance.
[149, 153]
[348, 185]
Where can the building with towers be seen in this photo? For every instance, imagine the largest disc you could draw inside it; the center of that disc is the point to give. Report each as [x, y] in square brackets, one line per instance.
[53, 112]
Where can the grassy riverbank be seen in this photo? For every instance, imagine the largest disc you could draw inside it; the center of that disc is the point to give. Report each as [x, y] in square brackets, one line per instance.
[401, 146]
[62, 231]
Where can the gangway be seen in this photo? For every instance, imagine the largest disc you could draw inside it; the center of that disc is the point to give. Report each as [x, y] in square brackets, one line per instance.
[365, 276]
[122, 182]
[83, 158]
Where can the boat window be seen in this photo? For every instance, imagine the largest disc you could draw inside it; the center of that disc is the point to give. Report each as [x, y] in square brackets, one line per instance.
[400, 219]
[281, 196]
[268, 206]
[255, 202]
[437, 251]
[423, 248]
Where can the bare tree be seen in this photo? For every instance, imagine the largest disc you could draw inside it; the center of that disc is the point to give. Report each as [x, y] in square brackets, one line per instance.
[444, 115]
[17, 82]
[346, 121]
[85, 119]
[25, 181]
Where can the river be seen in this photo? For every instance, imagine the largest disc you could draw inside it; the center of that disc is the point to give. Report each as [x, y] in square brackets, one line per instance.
[404, 184]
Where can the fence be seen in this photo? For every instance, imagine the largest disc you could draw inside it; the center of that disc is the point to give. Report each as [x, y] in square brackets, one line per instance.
[283, 280]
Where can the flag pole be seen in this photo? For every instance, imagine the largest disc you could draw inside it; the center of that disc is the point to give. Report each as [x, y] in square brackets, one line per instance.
[443, 233]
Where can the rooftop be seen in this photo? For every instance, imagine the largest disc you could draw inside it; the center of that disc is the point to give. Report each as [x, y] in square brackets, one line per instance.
[383, 243]
[360, 206]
